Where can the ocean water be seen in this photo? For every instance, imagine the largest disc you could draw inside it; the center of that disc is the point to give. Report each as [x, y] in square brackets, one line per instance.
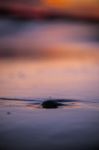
[54, 78]
[49, 60]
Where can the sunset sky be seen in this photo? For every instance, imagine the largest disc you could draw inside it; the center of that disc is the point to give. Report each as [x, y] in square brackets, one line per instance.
[54, 39]
[82, 7]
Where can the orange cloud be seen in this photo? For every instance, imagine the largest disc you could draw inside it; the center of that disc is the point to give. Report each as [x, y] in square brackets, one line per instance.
[82, 7]
[71, 3]
[57, 3]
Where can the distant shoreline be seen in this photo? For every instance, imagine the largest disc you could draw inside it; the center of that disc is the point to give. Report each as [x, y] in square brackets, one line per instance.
[45, 16]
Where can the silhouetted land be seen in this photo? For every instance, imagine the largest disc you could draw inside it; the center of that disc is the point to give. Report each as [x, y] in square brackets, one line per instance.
[41, 15]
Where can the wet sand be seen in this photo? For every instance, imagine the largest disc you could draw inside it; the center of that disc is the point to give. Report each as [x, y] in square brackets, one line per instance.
[29, 127]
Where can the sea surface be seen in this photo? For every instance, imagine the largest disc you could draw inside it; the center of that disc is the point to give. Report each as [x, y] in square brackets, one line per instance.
[28, 77]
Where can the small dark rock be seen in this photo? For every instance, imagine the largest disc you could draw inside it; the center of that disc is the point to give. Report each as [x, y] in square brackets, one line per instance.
[50, 104]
